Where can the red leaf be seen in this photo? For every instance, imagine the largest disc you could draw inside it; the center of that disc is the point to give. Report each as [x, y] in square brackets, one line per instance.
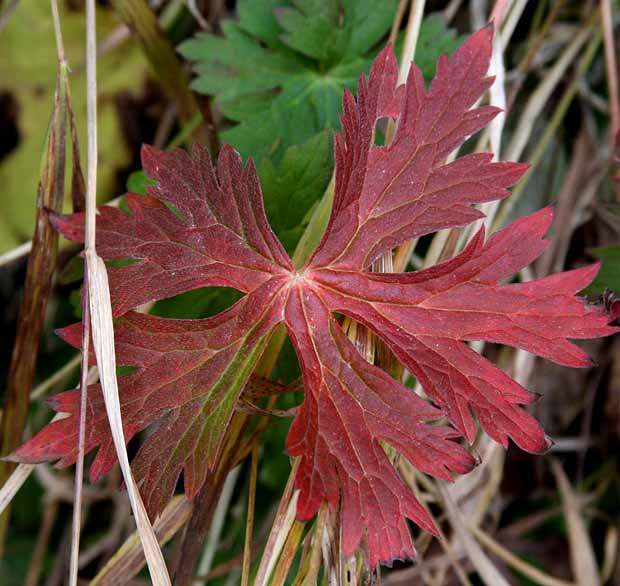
[426, 316]
[190, 375]
[388, 195]
[349, 406]
[196, 230]
[218, 237]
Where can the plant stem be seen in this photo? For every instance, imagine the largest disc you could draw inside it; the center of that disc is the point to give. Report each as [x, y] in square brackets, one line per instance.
[37, 287]
[249, 525]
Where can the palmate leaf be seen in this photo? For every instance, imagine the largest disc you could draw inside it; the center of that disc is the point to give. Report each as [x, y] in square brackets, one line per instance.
[279, 71]
[196, 229]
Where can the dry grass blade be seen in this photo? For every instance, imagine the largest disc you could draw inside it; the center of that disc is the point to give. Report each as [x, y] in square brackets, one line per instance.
[37, 285]
[311, 577]
[551, 128]
[398, 18]
[611, 554]
[583, 560]
[101, 319]
[79, 468]
[16, 253]
[129, 559]
[497, 98]
[414, 23]
[78, 181]
[12, 485]
[499, 11]
[142, 22]
[447, 546]
[612, 68]
[289, 552]
[517, 563]
[510, 22]
[60, 375]
[103, 342]
[284, 520]
[37, 560]
[249, 525]
[487, 571]
[540, 97]
[217, 523]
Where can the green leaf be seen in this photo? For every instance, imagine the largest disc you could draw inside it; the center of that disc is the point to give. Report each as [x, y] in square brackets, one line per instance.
[609, 275]
[258, 19]
[138, 182]
[279, 72]
[435, 40]
[237, 65]
[334, 30]
[293, 186]
[299, 113]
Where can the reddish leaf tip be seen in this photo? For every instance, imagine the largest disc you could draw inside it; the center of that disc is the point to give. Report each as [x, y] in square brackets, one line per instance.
[148, 152]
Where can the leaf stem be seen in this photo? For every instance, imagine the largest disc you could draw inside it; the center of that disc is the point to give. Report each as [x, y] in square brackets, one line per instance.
[249, 525]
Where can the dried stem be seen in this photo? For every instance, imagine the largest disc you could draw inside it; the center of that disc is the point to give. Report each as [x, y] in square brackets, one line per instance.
[37, 288]
[280, 528]
[249, 524]
[101, 316]
[43, 538]
[612, 68]
[517, 563]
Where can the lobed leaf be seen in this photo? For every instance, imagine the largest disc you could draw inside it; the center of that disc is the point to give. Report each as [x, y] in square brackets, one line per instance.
[388, 195]
[194, 229]
[349, 407]
[197, 228]
[425, 317]
[189, 376]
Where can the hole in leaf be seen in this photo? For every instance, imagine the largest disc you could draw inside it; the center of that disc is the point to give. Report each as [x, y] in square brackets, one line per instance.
[196, 304]
[175, 211]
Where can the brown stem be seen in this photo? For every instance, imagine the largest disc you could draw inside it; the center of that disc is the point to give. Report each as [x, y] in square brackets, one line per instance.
[43, 539]
[37, 286]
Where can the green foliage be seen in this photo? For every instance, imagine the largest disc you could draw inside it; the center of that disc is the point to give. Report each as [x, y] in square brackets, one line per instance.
[280, 70]
[435, 39]
[137, 182]
[199, 303]
[609, 275]
[278, 73]
[293, 184]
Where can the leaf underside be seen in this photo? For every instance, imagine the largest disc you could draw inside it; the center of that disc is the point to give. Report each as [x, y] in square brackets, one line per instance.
[200, 226]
